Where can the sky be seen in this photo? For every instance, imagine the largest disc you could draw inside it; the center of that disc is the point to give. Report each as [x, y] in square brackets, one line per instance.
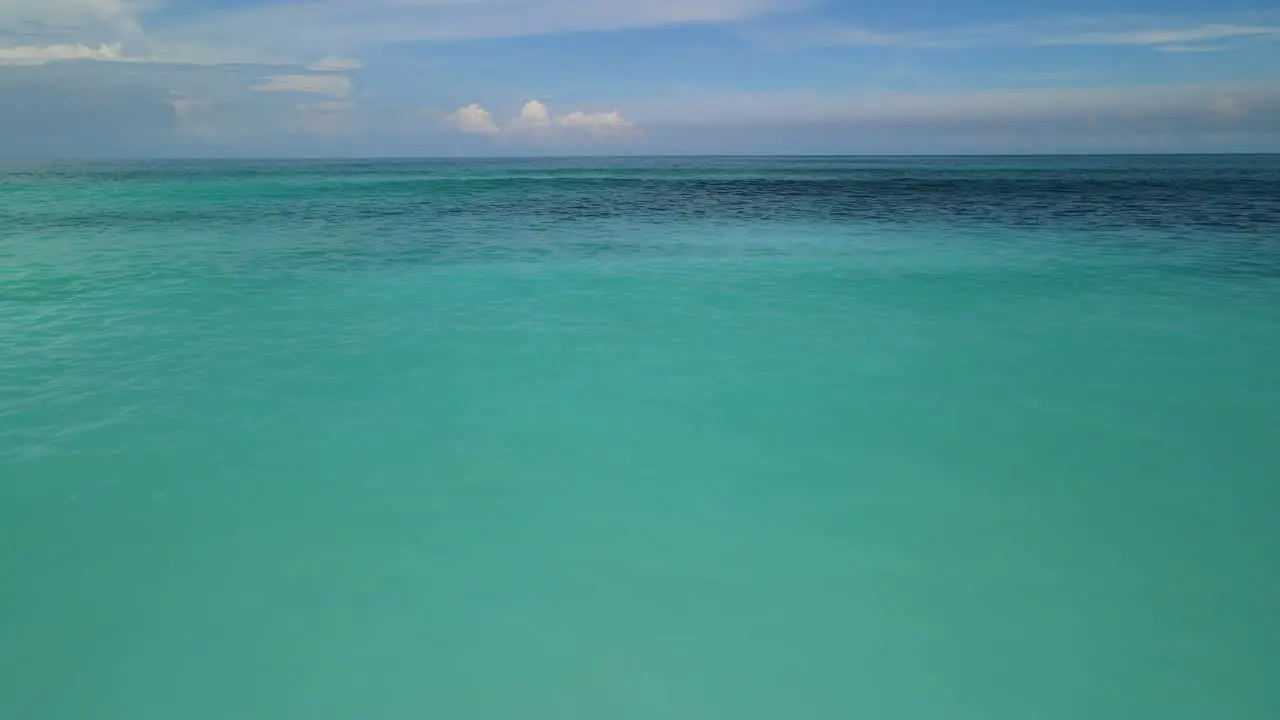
[376, 78]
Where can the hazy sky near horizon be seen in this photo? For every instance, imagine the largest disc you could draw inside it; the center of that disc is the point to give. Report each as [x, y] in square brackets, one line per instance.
[512, 77]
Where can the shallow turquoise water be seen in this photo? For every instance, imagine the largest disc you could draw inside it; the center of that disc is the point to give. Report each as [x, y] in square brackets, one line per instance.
[949, 438]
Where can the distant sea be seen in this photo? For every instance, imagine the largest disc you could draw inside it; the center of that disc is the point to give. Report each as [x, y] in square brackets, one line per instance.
[731, 439]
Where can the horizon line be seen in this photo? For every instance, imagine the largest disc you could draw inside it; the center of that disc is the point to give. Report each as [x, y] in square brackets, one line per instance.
[648, 156]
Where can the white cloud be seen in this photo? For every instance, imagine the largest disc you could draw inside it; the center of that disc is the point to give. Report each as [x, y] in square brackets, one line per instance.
[536, 122]
[293, 32]
[42, 54]
[334, 63]
[1189, 48]
[313, 46]
[474, 120]
[534, 118]
[1133, 31]
[47, 31]
[598, 125]
[309, 27]
[93, 20]
[1164, 36]
[334, 85]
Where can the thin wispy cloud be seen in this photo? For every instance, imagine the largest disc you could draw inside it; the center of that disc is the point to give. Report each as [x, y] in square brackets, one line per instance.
[1252, 107]
[1190, 48]
[349, 26]
[337, 86]
[327, 36]
[335, 64]
[1140, 32]
[321, 36]
[599, 125]
[1166, 36]
[328, 106]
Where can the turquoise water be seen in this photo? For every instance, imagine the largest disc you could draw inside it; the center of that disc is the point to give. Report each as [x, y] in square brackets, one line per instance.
[738, 438]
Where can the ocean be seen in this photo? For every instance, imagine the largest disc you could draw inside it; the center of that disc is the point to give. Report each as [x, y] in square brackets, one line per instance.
[738, 438]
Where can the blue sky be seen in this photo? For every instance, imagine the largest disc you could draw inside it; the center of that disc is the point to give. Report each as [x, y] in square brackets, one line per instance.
[513, 77]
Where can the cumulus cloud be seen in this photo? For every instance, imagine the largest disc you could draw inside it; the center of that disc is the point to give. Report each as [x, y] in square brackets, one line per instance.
[536, 122]
[534, 117]
[474, 120]
[338, 86]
